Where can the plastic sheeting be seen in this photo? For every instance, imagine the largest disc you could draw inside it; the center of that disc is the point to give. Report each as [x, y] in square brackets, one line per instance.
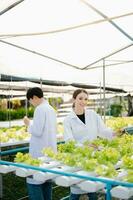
[55, 40]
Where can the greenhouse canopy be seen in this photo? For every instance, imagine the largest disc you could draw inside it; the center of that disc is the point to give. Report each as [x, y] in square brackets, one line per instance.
[22, 84]
[68, 40]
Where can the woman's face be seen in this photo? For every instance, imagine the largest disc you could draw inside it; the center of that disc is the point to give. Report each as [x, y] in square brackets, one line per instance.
[81, 100]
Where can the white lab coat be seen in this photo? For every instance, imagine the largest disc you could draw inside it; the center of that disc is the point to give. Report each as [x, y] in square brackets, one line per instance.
[43, 131]
[75, 129]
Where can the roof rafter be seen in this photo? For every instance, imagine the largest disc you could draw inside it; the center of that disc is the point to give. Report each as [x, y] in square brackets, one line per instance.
[10, 7]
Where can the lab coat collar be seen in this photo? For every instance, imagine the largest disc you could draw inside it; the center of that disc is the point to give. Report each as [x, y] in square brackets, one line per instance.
[45, 101]
[73, 114]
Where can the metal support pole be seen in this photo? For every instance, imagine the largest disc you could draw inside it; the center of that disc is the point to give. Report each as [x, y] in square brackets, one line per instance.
[1, 188]
[9, 107]
[26, 107]
[108, 194]
[10, 95]
[104, 104]
[26, 102]
[100, 103]
[41, 83]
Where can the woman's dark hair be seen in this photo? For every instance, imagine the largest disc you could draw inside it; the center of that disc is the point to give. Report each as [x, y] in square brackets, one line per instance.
[35, 91]
[75, 94]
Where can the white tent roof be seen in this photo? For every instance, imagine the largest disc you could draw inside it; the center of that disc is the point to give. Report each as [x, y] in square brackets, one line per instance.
[68, 34]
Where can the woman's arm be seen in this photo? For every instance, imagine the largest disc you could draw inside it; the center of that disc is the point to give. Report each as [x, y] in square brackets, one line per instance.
[104, 131]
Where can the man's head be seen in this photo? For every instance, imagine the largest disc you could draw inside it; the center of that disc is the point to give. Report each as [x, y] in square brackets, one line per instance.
[35, 95]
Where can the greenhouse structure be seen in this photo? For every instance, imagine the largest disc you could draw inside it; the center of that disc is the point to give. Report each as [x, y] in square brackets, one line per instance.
[60, 46]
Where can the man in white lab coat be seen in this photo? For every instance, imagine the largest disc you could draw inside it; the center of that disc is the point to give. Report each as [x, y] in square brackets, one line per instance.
[43, 135]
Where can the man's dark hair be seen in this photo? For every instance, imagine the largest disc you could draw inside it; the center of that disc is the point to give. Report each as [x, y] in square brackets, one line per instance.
[35, 91]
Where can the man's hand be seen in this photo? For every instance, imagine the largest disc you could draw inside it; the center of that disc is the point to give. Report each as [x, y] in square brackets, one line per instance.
[26, 121]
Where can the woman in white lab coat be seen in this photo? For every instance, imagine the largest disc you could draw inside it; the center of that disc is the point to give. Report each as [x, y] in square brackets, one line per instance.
[83, 124]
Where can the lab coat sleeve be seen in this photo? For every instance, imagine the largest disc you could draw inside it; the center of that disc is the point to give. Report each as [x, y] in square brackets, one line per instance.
[103, 131]
[37, 127]
[67, 131]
